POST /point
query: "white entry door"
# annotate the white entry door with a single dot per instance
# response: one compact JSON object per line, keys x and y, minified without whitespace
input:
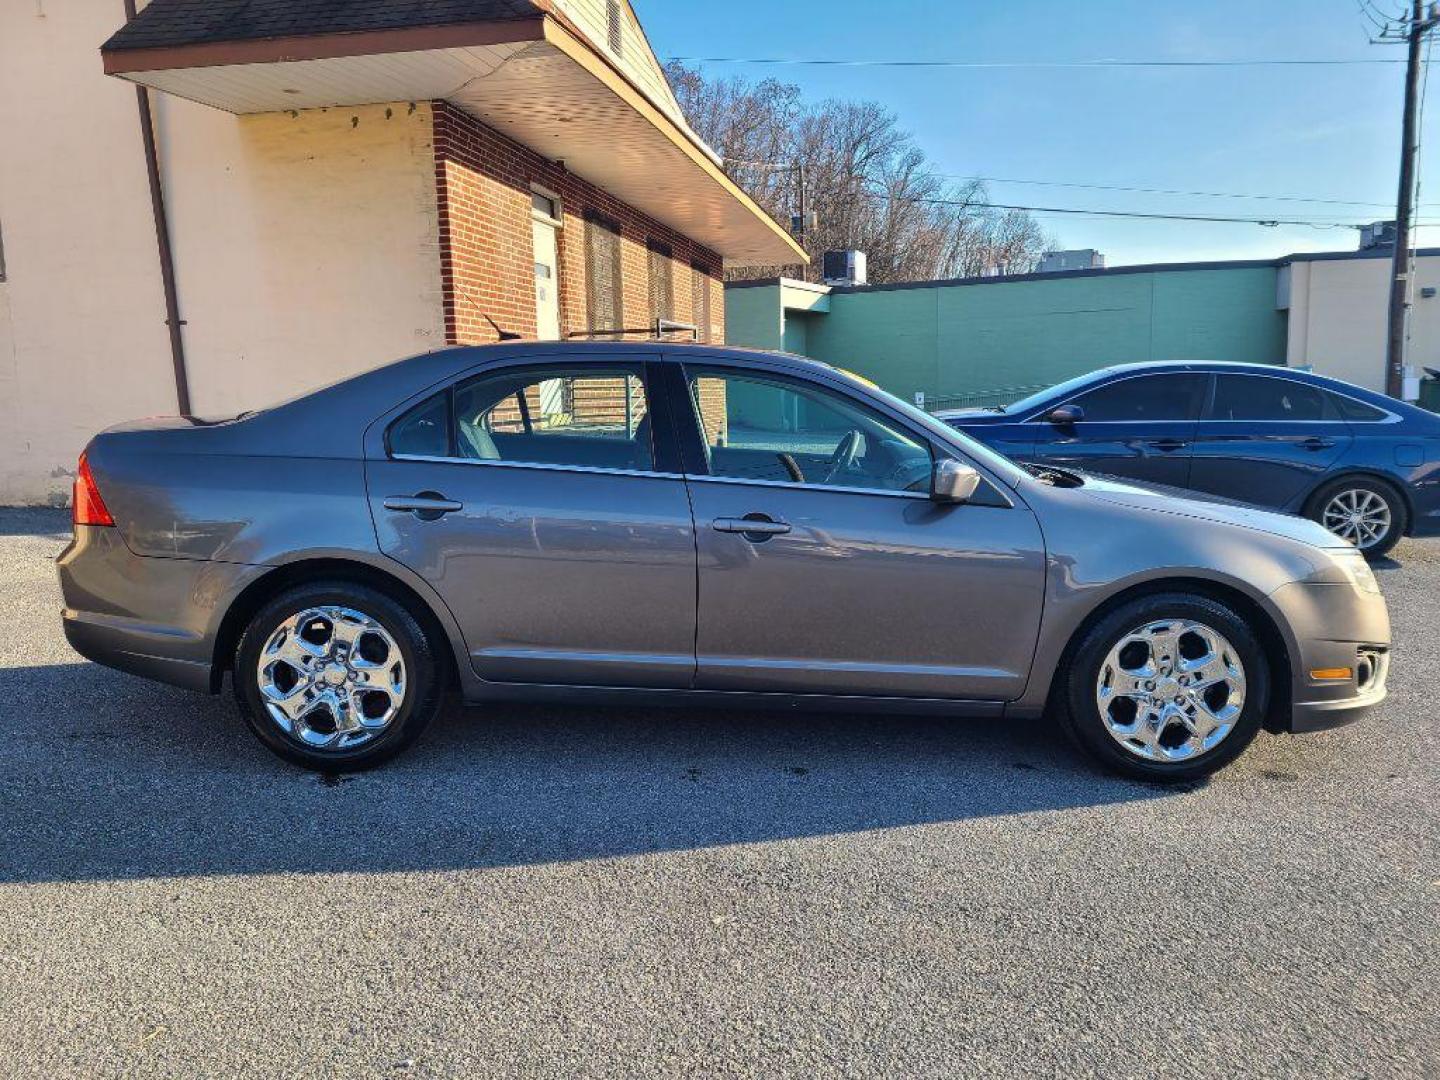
{"x":547,"y":282}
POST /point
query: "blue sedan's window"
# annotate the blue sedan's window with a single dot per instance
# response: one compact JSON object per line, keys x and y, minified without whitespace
{"x":1144,"y":398}
{"x":1262,"y":397}
{"x":1358,"y":411}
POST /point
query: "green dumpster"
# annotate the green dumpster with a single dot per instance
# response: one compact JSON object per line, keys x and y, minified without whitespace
{"x":1430,"y":395}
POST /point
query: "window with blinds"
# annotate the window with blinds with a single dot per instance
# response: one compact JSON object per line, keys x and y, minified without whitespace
{"x":602,"y":274}
{"x":700,"y":301}
{"x":662,"y":284}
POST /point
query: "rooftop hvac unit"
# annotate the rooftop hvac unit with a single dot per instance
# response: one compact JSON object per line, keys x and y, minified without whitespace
{"x":843,"y":267}
{"x":1378,"y":234}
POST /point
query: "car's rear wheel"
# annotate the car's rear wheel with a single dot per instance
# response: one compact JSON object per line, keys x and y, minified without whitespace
{"x":1368,"y":513}
{"x":1167,"y":687}
{"x":336,"y":676}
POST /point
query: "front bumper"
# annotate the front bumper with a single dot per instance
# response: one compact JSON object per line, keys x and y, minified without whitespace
{"x":152,"y":617}
{"x":1332,"y":627}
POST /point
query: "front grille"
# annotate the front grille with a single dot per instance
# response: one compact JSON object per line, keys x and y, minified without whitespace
{"x":1370,"y":665}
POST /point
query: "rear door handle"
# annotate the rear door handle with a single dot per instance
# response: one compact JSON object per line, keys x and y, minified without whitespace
{"x":1317,"y":443}
{"x":757,"y":527}
{"x":1168,"y":445}
{"x":427,"y":505}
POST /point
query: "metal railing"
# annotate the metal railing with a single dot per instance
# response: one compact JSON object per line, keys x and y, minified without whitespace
{"x":979,"y":399}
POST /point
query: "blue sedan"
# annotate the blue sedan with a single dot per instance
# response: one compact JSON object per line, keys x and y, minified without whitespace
{"x":1365,"y":466}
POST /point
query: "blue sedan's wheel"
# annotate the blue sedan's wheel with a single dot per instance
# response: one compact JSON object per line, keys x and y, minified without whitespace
{"x":1367,"y":513}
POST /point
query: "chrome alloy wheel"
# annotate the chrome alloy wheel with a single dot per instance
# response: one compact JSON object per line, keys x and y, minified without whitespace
{"x":332,"y":677}
{"x":1358,"y":515}
{"x":1170,"y":690}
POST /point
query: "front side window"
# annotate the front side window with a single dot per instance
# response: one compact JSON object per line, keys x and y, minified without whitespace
{"x":760,"y":428}
{"x":1144,"y":399}
{"x":1259,"y":397}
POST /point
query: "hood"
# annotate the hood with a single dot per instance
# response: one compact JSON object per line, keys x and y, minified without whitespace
{"x":966,"y":418}
{"x":1210,"y":508}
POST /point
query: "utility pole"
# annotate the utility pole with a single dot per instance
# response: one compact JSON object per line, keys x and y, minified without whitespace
{"x":800,"y":200}
{"x":1416,"y":27}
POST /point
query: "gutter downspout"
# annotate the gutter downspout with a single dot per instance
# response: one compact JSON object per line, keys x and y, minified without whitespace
{"x":162,"y":241}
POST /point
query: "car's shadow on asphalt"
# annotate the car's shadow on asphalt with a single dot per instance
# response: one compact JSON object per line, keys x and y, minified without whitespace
{"x":112,"y":777}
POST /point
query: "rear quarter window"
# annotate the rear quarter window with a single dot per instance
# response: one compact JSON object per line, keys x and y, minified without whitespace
{"x":424,"y":431}
{"x":1357,"y":411}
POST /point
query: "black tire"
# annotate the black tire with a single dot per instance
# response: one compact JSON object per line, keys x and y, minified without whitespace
{"x":423,"y":676}
{"x":1394,"y":501}
{"x":1080,"y":713}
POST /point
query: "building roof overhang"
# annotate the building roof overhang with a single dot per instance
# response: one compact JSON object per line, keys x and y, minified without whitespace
{"x":535,"y":79}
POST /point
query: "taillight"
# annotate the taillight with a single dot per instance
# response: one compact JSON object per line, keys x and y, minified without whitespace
{"x":89,"y":507}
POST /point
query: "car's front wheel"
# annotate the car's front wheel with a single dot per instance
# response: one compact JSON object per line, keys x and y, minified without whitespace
{"x":1167,"y":687}
{"x":336,"y":676}
{"x":1368,"y":513}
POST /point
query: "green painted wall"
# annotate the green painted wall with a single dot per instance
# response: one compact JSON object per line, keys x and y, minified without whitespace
{"x":752,"y":317}
{"x":796,"y":338}
{"x":964,"y":339}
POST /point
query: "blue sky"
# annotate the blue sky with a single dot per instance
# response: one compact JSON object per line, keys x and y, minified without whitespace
{"x":1317,"y":132}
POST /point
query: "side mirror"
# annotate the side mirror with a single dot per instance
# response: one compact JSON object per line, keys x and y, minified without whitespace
{"x":1065,"y":415}
{"x":952,"y":481}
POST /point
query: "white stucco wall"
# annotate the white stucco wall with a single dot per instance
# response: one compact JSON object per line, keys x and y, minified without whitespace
{"x":306,"y":247}
{"x":82,"y":334}
{"x":1337,"y":320}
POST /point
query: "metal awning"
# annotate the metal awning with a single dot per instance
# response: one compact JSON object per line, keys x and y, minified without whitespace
{"x":533,"y":79}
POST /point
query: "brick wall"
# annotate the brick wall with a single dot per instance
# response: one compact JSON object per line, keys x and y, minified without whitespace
{"x":483,"y":186}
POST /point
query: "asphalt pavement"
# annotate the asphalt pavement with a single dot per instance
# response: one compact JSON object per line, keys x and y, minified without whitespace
{"x":567,"y":892}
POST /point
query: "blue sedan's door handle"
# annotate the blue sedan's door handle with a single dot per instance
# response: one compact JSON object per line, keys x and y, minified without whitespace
{"x":1167,"y":445}
{"x":1317,"y":443}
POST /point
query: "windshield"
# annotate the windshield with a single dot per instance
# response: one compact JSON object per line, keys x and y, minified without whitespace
{"x":977,"y":451}
{"x":1057,"y":393}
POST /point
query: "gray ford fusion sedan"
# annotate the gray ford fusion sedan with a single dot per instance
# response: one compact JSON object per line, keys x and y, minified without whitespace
{"x":664,"y":523}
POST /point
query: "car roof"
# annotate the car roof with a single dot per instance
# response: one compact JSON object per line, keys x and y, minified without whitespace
{"x":1242,"y":368}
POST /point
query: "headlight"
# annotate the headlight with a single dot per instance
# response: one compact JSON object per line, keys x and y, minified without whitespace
{"x":1357,"y":570}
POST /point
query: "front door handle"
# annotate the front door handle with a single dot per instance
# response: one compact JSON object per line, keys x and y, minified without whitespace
{"x":1317,"y":443}
{"x":1168,"y":445}
{"x":754,"y":527}
{"x":425,"y":505}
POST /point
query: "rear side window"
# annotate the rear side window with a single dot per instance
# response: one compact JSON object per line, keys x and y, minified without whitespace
{"x":1357,"y":411}
{"x":596,"y":416}
{"x":424,"y":430}
{"x":1144,"y":398}
{"x":1260,"y":397}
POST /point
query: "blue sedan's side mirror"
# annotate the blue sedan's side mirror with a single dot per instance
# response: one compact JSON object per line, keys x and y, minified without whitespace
{"x":1065,"y":415}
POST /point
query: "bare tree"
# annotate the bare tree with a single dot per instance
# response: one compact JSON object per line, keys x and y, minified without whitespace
{"x":866,"y":183}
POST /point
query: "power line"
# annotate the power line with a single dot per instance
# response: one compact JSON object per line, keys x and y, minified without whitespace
{"x":1171,"y":191}
{"x":1138,"y":214}
{"x":1102,"y":62}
